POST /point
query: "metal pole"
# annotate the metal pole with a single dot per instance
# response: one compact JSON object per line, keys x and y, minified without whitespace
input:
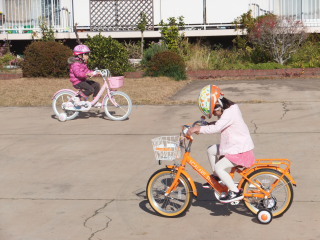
{"x":160,"y":10}
{"x":204,"y":12}
{"x":301,"y":11}
{"x":72,"y":15}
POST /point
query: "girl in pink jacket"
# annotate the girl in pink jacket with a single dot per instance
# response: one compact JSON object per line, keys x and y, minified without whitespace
{"x":79,"y":74}
{"x":236,"y":145}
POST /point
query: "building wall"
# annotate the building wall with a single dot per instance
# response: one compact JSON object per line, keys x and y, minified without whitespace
{"x":82,"y":12}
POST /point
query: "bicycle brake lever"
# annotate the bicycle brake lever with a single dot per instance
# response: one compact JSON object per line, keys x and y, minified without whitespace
{"x":185,"y":131}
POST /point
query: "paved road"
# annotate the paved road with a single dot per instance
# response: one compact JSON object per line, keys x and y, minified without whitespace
{"x":85,"y":179}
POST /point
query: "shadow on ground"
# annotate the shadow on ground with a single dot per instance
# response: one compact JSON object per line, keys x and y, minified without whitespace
{"x":205,"y":199}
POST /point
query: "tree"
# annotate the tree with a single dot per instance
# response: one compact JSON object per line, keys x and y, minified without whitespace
{"x":170,"y":32}
{"x":142,"y":25}
{"x":281,"y":36}
{"x":47,"y":31}
{"x":244,"y":23}
{"x":108,"y":53}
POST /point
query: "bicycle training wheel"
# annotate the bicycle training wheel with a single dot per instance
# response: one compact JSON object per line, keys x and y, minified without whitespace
{"x":118,"y":107}
{"x":281,"y":196}
{"x":57,"y":105}
{"x":177,"y":202}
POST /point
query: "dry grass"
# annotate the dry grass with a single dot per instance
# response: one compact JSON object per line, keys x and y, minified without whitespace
{"x":200,"y":58}
{"x":39,"y":91}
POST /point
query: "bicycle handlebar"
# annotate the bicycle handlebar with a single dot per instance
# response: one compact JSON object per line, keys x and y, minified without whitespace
{"x":103,"y":72}
{"x":185,"y":128}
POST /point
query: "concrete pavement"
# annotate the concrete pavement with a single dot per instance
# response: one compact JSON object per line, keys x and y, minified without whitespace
{"x":86,"y":178}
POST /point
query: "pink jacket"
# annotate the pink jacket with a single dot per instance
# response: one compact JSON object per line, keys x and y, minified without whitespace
{"x":235,"y":135}
{"x":78,"y":70}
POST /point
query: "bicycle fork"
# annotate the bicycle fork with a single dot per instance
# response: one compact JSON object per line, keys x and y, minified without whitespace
{"x":175,"y":183}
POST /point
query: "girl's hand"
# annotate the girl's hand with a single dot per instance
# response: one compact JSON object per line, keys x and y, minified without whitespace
{"x":90,"y":75}
{"x":193,"y":130}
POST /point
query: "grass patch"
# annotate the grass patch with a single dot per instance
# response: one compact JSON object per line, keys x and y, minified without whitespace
{"x":39,"y":91}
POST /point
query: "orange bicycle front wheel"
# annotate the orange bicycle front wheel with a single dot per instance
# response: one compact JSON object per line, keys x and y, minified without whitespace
{"x":177,"y":202}
{"x":281,"y":196}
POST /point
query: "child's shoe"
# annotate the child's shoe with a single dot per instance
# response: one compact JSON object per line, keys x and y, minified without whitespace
{"x":76,"y":99}
{"x":232,"y":196}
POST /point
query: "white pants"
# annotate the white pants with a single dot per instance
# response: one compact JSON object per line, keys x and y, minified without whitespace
{"x":220,"y":167}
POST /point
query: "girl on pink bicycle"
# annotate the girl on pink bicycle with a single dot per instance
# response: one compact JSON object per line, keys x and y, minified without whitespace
{"x":236,"y":145}
{"x":79,"y":74}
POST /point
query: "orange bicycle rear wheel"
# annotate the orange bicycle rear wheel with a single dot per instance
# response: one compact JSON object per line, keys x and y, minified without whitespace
{"x":281,"y":197}
{"x":177,"y":202}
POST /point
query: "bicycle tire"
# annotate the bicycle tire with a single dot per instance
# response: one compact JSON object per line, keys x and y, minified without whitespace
{"x":178,"y":201}
{"x":60,"y":98}
{"x":121,"y":112}
{"x":281,"y":197}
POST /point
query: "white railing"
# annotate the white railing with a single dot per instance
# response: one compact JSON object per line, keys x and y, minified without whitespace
{"x":306,"y":11}
{"x":26,"y":16}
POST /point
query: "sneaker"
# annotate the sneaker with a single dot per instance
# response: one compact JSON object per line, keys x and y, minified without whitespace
{"x":97,"y":105}
{"x":76,"y":99}
{"x":232,"y":196}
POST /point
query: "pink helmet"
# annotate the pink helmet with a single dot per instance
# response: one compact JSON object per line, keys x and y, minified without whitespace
{"x":81,"y":49}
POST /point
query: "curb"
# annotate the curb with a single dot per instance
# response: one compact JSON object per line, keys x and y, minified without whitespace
{"x":8,"y":76}
{"x":209,"y":74}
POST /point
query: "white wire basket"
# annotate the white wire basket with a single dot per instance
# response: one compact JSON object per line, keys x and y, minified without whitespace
{"x":166,"y":148}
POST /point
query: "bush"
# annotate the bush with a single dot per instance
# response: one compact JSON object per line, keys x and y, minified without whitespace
{"x":168,"y":64}
{"x":269,"y":65}
{"x":6,"y":59}
{"x":46,"y":59}
{"x":223,"y":59}
{"x":308,"y":56}
{"x":152,"y":50}
{"x":134,"y":49}
{"x":108,"y":53}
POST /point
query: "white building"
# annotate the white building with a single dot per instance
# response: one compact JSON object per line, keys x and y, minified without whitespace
{"x":20,"y":19}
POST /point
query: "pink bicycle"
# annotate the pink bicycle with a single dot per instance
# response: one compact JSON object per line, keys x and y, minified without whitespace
{"x":117,"y":105}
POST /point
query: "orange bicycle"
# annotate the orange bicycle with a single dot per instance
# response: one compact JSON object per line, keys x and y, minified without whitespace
{"x":267,"y":185}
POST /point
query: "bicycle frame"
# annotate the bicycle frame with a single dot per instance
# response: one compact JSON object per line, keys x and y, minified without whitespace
{"x":104,"y":87}
{"x":276,"y":164}
{"x":199,"y":169}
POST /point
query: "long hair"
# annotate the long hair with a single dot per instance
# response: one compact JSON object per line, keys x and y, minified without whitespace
{"x":226,"y":103}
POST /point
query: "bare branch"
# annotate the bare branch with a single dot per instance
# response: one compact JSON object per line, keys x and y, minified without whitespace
{"x":76,"y":32}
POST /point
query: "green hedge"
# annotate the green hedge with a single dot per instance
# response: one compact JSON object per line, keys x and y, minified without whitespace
{"x":46,"y":59}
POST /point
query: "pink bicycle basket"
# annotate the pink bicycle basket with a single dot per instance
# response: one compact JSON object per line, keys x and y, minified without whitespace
{"x":116,"y":82}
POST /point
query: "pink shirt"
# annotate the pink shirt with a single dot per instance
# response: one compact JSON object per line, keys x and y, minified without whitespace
{"x":235,"y":135}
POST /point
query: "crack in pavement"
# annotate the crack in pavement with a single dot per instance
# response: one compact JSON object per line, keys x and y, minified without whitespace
{"x":255,"y":127}
{"x":285,"y":109}
{"x":96,"y":213}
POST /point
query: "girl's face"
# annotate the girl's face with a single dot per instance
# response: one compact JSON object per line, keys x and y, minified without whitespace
{"x":217,"y":111}
{"x":85,"y":57}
